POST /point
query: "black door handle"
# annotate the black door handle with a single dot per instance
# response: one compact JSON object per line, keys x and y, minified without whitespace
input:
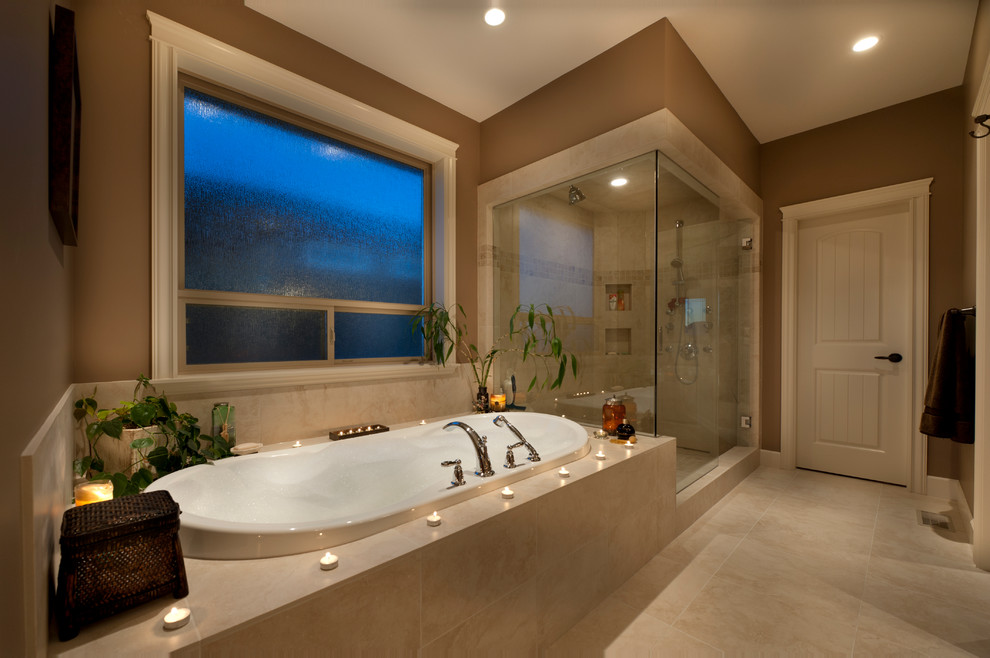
{"x":893,"y":358}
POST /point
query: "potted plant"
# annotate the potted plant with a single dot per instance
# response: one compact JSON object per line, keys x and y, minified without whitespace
{"x":148,"y":438}
{"x":532,"y":332}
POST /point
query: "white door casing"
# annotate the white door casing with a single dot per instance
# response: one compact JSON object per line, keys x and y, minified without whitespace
{"x":914,"y":196}
{"x":981,"y":456}
{"x":854,"y":303}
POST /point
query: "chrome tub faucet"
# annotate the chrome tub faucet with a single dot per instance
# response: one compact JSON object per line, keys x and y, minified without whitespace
{"x":510,"y":460}
{"x":480,"y":444}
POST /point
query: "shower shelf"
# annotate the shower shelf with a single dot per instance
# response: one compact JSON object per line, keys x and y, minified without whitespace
{"x":618,"y":341}
{"x":623,"y":296}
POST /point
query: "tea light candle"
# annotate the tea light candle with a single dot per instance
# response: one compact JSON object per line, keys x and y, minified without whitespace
{"x":422,"y":422}
{"x":563,"y":472}
{"x":328,"y":561}
{"x":297,"y":444}
{"x":176,"y":618}
{"x":600,"y":454}
{"x":93,"y":492}
{"x":630,"y":444}
{"x":433,"y":520}
{"x":497,"y":401}
{"x":508,"y":493}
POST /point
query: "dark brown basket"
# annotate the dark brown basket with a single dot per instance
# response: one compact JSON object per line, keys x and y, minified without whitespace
{"x":117,"y":554}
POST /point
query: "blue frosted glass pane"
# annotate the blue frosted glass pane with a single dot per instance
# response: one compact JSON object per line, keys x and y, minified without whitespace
{"x":242,"y":334}
{"x":272,"y":208}
{"x":374,"y":335}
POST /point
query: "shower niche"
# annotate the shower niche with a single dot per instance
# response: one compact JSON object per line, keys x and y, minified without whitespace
{"x":656,"y":298}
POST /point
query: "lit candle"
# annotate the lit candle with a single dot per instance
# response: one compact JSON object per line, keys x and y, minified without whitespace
{"x":433,"y":520}
{"x":93,"y":492}
{"x":563,"y":472}
{"x":328,"y":561}
{"x":297,"y":444}
{"x":422,"y":422}
{"x":599,"y":454}
{"x":630,"y":444}
{"x":497,"y":401}
{"x":508,"y":493}
{"x":176,"y":618}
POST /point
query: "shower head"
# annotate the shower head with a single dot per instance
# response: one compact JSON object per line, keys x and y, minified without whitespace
{"x":678,"y":265}
{"x":575,"y":195}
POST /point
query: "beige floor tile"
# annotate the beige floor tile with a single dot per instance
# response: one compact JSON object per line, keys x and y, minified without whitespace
{"x":603,"y":626}
{"x":797,"y":525}
{"x":702,"y":546}
{"x":880,"y":628}
{"x":740,"y":620}
{"x":831,"y":492}
{"x":838,"y":575}
{"x":929,"y":616}
{"x":663,"y":588}
{"x":615,"y":629}
{"x":900,"y":536}
{"x":868,"y":645}
{"x":968,"y":587}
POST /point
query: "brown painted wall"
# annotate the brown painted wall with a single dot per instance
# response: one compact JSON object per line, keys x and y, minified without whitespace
{"x":648,"y":71}
{"x":113,"y":318}
{"x":905,"y":142}
{"x":36,"y":271}
{"x":979,"y":50}
{"x":696,"y":100}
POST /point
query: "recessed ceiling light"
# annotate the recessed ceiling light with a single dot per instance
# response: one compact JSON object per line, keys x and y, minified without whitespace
{"x":865,"y":43}
{"x":494,"y":16}
{"x":619,"y":182}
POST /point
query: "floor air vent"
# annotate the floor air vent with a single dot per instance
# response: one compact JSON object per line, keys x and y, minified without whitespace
{"x":934,"y":520}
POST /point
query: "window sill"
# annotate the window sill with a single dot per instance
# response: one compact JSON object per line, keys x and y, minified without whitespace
{"x":240,"y":381}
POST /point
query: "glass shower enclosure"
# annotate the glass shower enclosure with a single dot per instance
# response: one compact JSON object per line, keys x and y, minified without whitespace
{"x":645,"y":271}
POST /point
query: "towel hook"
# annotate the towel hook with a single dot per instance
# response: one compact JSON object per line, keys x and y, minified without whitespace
{"x":981,"y":120}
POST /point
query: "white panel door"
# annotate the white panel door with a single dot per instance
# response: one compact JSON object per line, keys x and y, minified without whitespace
{"x":855,"y":304}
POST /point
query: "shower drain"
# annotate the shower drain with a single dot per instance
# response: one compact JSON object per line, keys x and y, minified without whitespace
{"x":934,"y":520}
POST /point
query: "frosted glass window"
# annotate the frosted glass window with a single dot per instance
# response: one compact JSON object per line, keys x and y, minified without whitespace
{"x":242,"y":334}
{"x":368,"y":335}
{"x":273,"y":208}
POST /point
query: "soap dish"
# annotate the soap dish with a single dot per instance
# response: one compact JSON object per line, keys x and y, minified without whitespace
{"x":246,"y":448}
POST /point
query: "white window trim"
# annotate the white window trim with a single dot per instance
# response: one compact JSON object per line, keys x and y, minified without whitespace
{"x":176,"y":48}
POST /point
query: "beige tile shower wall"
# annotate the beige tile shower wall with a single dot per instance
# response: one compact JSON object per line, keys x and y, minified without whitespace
{"x":287,"y":414}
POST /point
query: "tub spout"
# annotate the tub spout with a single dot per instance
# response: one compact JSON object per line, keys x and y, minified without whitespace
{"x":480,"y":444}
{"x":502,"y":421}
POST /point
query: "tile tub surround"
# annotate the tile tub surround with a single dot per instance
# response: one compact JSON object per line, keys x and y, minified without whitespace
{"x":497,"y":574}
{"x":277,"y":415}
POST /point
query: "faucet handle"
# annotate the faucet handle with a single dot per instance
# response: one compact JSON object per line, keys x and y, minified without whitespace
{"x":510,"y":459}
{"x":458,"y":471}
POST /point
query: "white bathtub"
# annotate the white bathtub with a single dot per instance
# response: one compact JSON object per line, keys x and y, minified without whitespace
{"x":316,"y":496}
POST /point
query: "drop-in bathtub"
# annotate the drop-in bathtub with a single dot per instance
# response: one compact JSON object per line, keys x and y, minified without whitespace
{"x":317,"y":496}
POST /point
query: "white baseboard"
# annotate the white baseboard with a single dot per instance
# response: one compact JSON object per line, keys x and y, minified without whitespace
{"x":770,"y":458}
{"x":947,"y":488}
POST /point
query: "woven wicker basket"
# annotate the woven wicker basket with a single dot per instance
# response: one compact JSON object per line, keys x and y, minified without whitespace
{"x":115,"y":555}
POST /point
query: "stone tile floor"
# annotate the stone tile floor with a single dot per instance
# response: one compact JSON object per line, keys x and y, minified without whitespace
{"x":801,"y":563}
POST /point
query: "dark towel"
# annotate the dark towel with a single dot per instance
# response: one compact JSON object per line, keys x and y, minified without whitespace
{"x":950,"y":398}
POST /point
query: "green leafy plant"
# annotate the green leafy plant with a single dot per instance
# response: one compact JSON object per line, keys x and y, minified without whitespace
{"x":532,"y":332}
{"x":182,"y":442}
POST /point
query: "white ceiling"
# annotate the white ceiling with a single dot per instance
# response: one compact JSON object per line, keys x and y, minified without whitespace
{"x":785,"y":65}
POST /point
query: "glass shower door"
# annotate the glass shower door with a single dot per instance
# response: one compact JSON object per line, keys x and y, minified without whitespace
{"x":687,"y":318}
